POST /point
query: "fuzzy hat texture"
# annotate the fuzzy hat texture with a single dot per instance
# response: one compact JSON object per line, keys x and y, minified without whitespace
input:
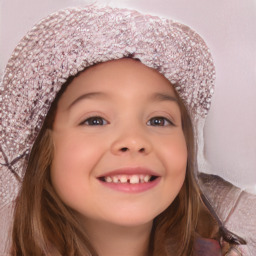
{"x":70,"y":40}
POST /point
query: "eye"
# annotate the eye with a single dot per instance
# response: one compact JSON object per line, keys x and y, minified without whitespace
{"x":94,"y":120}
{"x":159,"y":121}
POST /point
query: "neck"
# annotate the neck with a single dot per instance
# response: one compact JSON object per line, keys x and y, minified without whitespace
{"x":114,"y":240}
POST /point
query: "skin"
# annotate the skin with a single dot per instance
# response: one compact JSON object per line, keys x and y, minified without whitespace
{"x":134,"y":129}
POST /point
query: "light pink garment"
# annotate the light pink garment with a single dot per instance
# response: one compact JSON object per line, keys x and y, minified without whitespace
{"x":235,"y":208}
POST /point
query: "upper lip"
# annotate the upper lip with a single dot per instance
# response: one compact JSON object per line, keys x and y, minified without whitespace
{"x":130,"y":171}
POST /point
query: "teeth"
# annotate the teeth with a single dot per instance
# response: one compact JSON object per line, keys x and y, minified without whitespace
{"x":123,"y":179}
{"x":115,"y":179}
{"x":108,"y":179}
{"x":135,"y":179}
{"x":132,"y":179}
{"x":147,"y":178}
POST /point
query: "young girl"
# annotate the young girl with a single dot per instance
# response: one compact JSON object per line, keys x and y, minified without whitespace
{"x":99,"y":107}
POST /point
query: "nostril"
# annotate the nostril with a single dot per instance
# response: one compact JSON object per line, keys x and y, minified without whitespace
{"x":125,"y":149}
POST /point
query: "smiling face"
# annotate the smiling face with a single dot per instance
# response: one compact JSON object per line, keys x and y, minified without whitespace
{"x":119,"y":150}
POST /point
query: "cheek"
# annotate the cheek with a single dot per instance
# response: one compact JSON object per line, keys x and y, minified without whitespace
{"x":68,"y":155}
{"x":174,"y":154}
{"x":73,"y":152}
{"x":174,"y":157}
{"x":72,"y":167}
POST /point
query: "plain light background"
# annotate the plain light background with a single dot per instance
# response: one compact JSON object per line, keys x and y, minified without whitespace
{"x":229,"y":29}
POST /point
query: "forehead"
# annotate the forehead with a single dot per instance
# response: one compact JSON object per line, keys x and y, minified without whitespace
{"x":124,"y":76}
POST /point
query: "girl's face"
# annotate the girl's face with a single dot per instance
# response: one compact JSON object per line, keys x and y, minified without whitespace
{"x":119,"y":150}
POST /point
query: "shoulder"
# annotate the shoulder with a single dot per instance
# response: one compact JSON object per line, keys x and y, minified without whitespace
{"x":235,"y":208}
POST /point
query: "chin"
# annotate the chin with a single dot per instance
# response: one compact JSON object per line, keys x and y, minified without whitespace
{"x":133,"y":219}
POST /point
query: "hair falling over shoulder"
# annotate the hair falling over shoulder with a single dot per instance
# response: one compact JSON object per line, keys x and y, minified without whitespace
{"x":44,"y":225}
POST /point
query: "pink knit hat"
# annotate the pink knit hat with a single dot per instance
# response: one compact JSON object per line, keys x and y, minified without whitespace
{"x":70,"y":40}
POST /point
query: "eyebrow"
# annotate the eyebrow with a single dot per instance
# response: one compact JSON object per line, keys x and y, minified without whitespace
{"x":164,"y":97}
{"x":156,"y":97}
{"x":86,"y":96}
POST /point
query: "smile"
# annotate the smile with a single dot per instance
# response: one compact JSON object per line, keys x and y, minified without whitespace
{"x":127,"y":180}
{"x":131,"y":179}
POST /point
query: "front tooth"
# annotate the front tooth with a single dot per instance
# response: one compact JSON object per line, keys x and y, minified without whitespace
{"x":115,"y":179}
{"x":123,"y":179}
{"x":108,"y":179}
{"x":134,"y":179}
{"x":147,"y":178}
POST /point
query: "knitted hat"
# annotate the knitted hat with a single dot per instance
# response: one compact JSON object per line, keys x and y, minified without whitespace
{"x":70,"y":40}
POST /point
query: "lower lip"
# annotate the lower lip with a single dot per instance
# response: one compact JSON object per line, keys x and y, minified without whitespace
{"x":131,"y":188}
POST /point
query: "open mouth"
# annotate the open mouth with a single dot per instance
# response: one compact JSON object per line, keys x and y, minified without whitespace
{"x":128,"y":179}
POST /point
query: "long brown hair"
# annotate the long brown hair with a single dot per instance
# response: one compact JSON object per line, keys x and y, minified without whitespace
{"x":177,"y":228}
{"x":44,"y":225}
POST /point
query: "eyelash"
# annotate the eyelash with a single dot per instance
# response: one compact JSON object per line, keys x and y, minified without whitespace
{"x":166,"y":121}
{"x":94,"y":118}
{"x":100,"y":121}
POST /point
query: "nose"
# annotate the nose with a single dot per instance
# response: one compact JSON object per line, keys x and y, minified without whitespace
{"x":131,"y":142}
